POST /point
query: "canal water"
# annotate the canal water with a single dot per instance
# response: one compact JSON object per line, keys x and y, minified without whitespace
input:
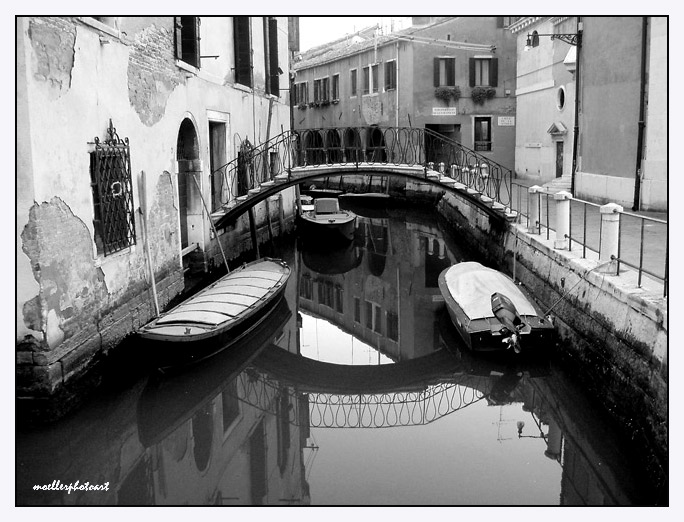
{"x":356,"y":391}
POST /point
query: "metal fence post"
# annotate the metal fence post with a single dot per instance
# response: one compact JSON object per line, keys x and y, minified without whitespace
{"x":610,"y":235}
{"x":562,"y":199}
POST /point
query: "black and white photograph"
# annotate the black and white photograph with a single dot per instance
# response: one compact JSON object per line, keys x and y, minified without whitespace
{"x":341,"y":259}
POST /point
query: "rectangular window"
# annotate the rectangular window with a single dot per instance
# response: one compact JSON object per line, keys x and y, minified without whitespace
{"x":339,"y":299}
{"x":302,"y":92}
{"x":357,"y":310}
{"x":317,"y":91}
{"x":111,"y":185}
{"x":271,"y":56}
{"x":375,"y":81}
{"x":393,"y":326}
{"x":243,"y":50}
{"x":390,"y":75}
{"x":336,"y":87}
{"x":187,"y":39}
{"x":325,"y":90}
{"x":366,"y":80}
{"x":306,"y":287}
{"x":377,"y":323}
{"x":483,"y":72}
{"x":445,"y":72}
{"x":369,"y":314}
{"x":353,"y":81}
{"x":483,"y":134}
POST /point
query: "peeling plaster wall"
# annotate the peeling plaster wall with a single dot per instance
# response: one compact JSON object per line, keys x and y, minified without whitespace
{"x":75,"y":75}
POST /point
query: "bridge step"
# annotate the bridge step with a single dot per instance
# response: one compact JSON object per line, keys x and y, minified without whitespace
{"x":487,"y":200}
{"x":281,"y":178}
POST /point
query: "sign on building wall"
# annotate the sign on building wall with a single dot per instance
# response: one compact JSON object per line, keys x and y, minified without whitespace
{"x":506,"y":121}
{"x":444,"y":111}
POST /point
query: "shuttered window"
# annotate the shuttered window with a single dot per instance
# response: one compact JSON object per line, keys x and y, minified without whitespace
{"x":271,"y":56}
{"x":187,"y":35}
{"x":484,"y":72}
{"x":445,"y":72}
{"x":390,"y":75}
{"x":243,"y":50}
{"x":353,"y":81}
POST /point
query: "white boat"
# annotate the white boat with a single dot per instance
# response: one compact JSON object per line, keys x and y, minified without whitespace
{"x":327,"y":222}
{"x":490,"y":311}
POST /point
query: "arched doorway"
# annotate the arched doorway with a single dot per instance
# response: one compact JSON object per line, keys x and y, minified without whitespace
{"x":352,"y":146}
{"x":375,"y":146}
{"x":190,"y":203}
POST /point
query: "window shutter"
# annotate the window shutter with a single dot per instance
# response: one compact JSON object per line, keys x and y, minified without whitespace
{"x":273,"y":55}
{"x":179,"y":37}
{"x":243,"y":54}
{"x":436,"y":72}
{"x":493,"y":72}
{"x":451,"y":71}
{"x":197,"y":42}
{"x":471,"y":66}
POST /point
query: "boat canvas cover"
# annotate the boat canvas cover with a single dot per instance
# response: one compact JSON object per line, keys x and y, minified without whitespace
{"x":472,"y":285}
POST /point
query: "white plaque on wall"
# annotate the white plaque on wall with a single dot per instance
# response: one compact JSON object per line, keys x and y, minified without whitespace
{"x":506,"y":121}
{"x":444,"y":111}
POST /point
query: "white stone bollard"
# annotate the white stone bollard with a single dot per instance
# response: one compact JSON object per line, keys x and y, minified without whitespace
{"x":533,"y":227}
{"x":562,"y":199}
{"x":610,"y":233}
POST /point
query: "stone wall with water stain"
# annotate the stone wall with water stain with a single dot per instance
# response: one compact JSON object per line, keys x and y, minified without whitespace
{"x":611,"y":335}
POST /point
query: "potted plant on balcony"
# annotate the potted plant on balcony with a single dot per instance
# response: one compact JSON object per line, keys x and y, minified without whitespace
{"x":480,"y":94}
{"x":446,"y":94}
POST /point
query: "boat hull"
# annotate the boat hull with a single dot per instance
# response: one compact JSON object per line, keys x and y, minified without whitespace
{"x":193,"y":331}
{"x":485,"y":332}
{"x":339,"y":229}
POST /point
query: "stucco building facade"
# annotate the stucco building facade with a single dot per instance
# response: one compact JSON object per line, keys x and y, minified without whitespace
{"x":454,"y":76}
{"x":120,"y":124}
{"x":620,"y":73}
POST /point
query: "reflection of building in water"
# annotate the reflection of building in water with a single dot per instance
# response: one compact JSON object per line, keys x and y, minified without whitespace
{"x":389,"y":300}
{"x":219,"y":433}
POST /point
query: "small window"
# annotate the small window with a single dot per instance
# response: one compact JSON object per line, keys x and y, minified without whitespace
{"x":336,"y":87}
{"x":484,"y":72}
{"x":317,"y":91}
{"x":390,"y":75}
{"x":375,"y":82}
{"x":483,"y":134}
{"x":445,"y":72}
{"x":243,"y":50}
{"x":366,"y":80}
{"x":188,"y":39}
{"x":352,"y":79}
{"x":325,"y":91}
{"x":393,"y":326}
{"x":302,"y":92}
{"x":560,"y":100}
{"x":357,"y":310}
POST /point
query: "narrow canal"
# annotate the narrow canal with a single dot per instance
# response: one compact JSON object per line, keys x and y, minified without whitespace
{"x":358,"y":391}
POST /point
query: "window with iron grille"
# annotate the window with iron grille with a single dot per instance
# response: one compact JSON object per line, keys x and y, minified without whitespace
{"x":110,"y":181}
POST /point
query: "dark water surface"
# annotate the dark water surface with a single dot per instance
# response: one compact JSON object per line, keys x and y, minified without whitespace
{"x":356,"y":391}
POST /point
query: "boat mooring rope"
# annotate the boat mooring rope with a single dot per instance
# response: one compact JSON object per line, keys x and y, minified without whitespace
{"x":573,"y":286}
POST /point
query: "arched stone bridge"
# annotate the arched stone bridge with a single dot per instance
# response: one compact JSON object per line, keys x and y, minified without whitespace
{"x":417,"y":154}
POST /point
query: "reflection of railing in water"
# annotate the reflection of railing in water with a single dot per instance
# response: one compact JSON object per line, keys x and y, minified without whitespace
{"x":383,"y":410}
{"x":390,"y":409}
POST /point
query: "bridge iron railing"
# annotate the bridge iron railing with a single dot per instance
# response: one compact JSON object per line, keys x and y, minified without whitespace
{"x":358,"y":147}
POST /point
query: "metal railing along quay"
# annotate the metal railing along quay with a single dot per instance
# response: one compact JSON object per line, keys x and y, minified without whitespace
{"x":641,"y":241}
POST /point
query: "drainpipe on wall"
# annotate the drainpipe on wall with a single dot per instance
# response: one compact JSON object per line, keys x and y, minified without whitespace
{"x":577,"y":96}
{"x":642,"y":124}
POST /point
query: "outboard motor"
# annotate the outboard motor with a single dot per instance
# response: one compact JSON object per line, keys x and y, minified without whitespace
{"x":505,"y":311}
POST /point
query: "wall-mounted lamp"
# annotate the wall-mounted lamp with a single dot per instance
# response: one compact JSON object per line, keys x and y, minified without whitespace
{"x":571,"y":38}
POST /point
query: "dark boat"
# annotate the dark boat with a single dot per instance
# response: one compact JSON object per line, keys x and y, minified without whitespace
{"x":168,"y":401}
{"x":217,"y":316}
{"x":490,"y":311}
{"x":327,"y":222}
